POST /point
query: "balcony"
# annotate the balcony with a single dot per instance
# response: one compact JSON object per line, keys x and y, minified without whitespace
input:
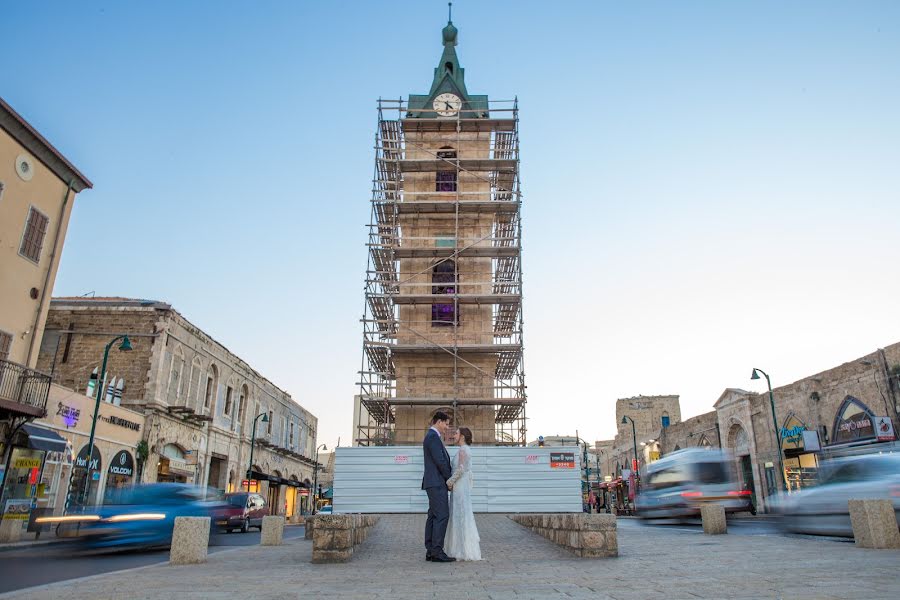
{"x":23,"y":391}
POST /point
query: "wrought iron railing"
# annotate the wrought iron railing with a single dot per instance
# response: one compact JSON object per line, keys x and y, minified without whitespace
{"x":22,"y":385}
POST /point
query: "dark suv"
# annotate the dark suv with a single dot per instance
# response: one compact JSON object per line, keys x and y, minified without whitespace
{"x":242,"y":511}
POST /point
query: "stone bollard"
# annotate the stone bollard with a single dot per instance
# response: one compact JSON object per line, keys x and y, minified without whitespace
{"x":10,"y":530}
{"x":308,"y":527}
{"x":272,"y":531}
{"x":713,"y":516}
{"x":874,"y":523}
{"x":190,"y":541}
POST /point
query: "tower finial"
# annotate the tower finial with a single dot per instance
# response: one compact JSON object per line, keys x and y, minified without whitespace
{"x":449,"y":12}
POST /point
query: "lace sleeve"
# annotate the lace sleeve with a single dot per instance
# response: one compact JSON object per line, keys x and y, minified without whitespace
{"x":463,"y":465}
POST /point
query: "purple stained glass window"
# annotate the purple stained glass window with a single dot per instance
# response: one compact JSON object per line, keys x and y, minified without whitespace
{"x":443,"y":280}
{"x":446,"y":181}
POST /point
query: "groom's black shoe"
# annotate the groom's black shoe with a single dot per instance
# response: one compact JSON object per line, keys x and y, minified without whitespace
{"x":442,"y":557}
{"x":428,"y":557}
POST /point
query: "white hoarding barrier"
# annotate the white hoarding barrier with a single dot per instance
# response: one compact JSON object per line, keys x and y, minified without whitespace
{"x":388,"y":479}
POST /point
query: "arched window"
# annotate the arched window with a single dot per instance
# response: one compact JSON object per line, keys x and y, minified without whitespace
{"x":229,"y":392}
{"x":242,"y":404}
{"x":443,"y":280}
{"x":445,"y":178}
{"x":193,"y":392}
{"x":176,"y":373}
{"x":212,"y":383}
{"x":854,"y":421}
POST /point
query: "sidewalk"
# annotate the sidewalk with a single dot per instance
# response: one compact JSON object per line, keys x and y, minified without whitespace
{"x":654,"y":563}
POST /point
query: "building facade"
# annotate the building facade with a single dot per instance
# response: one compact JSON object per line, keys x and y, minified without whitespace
{"x":853,"y":408}
{"x":37,"y":194}
{"x":200,"y":401}
{"x":443,"y":320}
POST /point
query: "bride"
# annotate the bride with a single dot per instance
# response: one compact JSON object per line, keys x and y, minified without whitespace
{"x":463,"y":542}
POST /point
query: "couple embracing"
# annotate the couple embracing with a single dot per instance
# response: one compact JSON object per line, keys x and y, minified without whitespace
{"x":449,"y":519}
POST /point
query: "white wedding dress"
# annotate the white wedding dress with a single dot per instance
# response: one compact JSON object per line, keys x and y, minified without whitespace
{"x":462,"y":541}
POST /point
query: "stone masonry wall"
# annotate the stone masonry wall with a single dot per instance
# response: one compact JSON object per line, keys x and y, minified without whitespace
{"x":586,"y":535}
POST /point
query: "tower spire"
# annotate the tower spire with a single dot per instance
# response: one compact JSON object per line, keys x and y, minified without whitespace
{"x":449,"y":12}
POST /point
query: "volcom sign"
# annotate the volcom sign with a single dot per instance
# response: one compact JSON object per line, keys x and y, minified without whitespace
{"x":122,"y":464}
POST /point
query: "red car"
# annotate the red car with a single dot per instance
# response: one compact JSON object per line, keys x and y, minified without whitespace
{"x":242,"y":511}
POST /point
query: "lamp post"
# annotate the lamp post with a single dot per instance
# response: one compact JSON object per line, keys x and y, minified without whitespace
{"x":625,"y":419}
{"x":316,"y":479}
{"x":755,"y":375}
{"x":265,"y":419}
{"x":101,"y":385}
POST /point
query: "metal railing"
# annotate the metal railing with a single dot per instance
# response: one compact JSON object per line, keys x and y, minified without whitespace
{"x":24,"y":386}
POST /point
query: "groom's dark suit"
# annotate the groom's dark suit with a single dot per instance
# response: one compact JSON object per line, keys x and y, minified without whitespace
{"x":434,"y":482}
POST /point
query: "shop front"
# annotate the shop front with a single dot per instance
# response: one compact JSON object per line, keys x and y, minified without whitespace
{"x":173,"y":466}
{"x":858,"y":430}
{"x":74,"y":475}
{"x":22,"y":482}
{"x":119,"y":475}
{"x":800,"y":447}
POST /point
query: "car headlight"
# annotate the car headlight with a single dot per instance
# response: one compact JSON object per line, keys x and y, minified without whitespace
{"x":136,"y":517}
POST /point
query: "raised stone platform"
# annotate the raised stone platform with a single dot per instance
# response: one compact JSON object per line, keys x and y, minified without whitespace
{"x":334,"y":536}
{"x":586,"y":535}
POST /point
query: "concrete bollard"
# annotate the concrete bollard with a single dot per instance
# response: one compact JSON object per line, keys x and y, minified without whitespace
{"x":874,"y":523}
{"x":272,"y":531}
{"x":10,"y":530}
{"x":713,"y":516}
{"x":190,"y":541}
{"x":308,"y":527}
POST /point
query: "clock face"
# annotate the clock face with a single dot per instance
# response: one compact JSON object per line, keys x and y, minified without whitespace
{"x":447,"y":105}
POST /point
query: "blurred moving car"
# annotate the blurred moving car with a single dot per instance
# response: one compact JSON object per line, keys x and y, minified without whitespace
{"x":144,"y":516}
{"x":326,"y":510}
{"x":241,"y":511}
{"x":824,"y":508}
{"x":679,"y":484}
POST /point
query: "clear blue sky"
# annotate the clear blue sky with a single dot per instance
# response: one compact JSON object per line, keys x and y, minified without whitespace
{"x":709,"y":186}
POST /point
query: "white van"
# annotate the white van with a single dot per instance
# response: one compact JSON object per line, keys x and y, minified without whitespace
{"x":679,"y":484}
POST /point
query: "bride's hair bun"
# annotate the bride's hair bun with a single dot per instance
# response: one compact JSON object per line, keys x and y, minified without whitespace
{"x":466,"y":433}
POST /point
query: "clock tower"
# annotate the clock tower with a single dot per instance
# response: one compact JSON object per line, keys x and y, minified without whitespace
{"x":443,"y":317}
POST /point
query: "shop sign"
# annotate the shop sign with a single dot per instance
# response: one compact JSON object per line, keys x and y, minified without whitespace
{"x":562,"y":460}
{"x":119,"y":421}
{"x":253,"y":485}
{"x":81,"y":461}
{"x":811,"y":441}
{"x":532,"y":459}
{"x":180,"y":467}
{"x":27,"y":463}
{"x":792,"y":433}
{"x":69,"y":414}
{"x":122,"y":464}
{"x":401,"y":459}
{"x":884,"y":429}
{"x":854,"y":422}
{"x":17,"y":509}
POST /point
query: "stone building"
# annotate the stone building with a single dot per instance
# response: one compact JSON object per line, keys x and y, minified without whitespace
{"x":37,"y":194}
{"x":650,"y":415}
{"x":853,"y":408}
{"x":443,"y":321}
{"x":200,"y":401}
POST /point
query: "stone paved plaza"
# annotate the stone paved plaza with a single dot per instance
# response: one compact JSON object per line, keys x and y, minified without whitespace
{"x":654,"y":563}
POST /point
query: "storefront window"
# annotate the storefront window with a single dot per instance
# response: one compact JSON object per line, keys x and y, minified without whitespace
{"x":119,"y":476}
{"x":854,"y":422}
{"x":23,"y":474}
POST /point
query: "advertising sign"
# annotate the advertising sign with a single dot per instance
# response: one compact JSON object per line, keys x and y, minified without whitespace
{"x":562,"y":460}
{"x":884,"y":429}
{"x":27,"y":463}
{"x":122,"y":464}
{"x":17,"y":509}
{"x":401,"y":459}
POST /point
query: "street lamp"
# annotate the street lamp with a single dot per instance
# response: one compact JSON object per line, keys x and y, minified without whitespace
{"x":265,"y":419}
{"x":625,"y":419}
{"x":101,"y":385}
{"x":755,"y":375}
{"x":316,"y":479}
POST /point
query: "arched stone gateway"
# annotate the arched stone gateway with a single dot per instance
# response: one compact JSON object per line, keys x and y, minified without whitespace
{"x":738,"y":440}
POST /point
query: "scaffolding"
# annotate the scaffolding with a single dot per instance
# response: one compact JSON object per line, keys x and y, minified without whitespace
{"x":442,"y":321}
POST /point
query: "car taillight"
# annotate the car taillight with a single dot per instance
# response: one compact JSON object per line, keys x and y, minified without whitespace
{"x":691,"y":494}
{"x":739,"y":493}
{"x":895,"y":491}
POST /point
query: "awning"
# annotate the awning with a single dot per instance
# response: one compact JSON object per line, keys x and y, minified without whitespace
{"x":43,"y":439}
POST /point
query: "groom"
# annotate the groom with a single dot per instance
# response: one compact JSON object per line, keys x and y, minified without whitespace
{"x":434,"y":482}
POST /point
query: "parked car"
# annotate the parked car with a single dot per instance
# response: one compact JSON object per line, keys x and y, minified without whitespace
{"x":325,"y":510}
{"x":679,"y":484}
{"x":144,"y":516}
{"x":824,"y":509}
{"x":242,"y":510}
